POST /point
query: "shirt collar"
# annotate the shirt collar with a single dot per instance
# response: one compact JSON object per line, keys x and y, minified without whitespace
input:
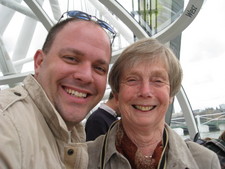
{"x":108,"y":109}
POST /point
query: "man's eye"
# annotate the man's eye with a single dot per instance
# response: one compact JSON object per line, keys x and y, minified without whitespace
{"x":70,"y":59}
{"x":100,"y":70}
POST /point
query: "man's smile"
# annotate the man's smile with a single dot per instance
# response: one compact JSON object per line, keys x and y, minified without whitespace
{"x":76,"y":93}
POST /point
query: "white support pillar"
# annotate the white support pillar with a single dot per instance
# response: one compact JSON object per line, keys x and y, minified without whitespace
{"x":25,"y":38}
{"x":187,"y":112}
{"x":6,"y":65}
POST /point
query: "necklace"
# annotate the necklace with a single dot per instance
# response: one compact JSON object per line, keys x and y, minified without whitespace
{"x":144,"y":161}
{"x":148,"y":156}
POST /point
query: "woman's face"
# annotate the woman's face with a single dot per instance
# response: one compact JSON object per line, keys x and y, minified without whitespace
{"x":144,"y":94}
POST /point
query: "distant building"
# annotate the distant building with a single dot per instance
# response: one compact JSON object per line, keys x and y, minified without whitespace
{"x":222,"y":106}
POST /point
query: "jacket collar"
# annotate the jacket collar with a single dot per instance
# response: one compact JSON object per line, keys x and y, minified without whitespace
{"x":50,"y":114}
{"x":177,"y":154}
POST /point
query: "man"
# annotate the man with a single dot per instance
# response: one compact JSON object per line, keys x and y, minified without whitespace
{"x":101,"y":119}
{"x":40,"y":120}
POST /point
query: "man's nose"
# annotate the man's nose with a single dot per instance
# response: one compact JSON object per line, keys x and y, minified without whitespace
{"x":84,"y":73}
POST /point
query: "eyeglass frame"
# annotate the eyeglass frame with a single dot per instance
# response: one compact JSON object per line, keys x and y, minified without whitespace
{"x":87,"y":17}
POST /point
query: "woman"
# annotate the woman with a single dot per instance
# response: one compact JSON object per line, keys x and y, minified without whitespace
{"x":144,"y":80}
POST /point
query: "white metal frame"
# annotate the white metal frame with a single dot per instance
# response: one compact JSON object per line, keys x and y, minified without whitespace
{"x":36,"y":13}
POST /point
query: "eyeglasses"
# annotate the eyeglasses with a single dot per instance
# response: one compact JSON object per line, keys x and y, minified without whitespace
{"x":87,"y":17}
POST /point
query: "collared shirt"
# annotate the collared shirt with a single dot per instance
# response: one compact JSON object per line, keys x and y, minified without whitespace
{"x":99,"y":122}
{"x":108,"y":109}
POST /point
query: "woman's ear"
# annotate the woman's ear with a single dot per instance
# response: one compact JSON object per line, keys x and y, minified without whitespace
{"x":116,"y":96}
{"x":171,"y":100}
{"x":117,"y":104}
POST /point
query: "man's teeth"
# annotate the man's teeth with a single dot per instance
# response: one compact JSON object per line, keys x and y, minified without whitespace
{"x":144,"y":108}
{"x":76,"y":93}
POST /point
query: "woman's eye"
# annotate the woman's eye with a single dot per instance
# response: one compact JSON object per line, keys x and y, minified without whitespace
{"x":159,"y":82}
{"x":131,"y":80}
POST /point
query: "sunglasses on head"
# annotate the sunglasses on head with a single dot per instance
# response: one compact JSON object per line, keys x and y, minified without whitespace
{"x":87,"y":17}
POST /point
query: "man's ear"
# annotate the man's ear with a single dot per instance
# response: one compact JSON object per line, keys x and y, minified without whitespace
{"x":38,"y":60}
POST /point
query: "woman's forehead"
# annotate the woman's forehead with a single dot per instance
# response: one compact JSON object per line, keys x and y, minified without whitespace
{"x":145,"y":67}
{"x":145,"y":61}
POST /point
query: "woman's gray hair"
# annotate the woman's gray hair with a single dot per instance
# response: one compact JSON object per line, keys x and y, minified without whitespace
{"x":149,"y":50}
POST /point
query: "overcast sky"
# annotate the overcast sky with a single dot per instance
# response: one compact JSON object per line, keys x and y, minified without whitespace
{"x":203,"y":56}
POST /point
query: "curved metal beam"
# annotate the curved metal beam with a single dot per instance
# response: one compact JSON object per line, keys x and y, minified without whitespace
{"x":125,"y":17}
{"x":40,"y":13}
{"x":167,"y":34}
{"x":12,"y":4}
{"x":178,"y":26}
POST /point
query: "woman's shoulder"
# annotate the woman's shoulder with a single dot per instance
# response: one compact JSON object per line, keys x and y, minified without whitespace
{"x":203,"y":156}
{"x":199,"y":149}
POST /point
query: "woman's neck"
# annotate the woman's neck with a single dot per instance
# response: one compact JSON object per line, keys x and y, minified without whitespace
{"x":146,"y":140}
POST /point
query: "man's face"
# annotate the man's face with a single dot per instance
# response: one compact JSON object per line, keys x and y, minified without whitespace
{"x":74,"y":71}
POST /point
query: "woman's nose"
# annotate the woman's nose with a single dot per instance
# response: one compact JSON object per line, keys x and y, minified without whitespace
{"x":146,"y":90}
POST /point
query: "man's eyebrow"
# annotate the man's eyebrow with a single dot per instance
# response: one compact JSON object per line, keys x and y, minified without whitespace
{"x":103,"y":62}
{"x":80,"y":53}
{"x":71,"y":50}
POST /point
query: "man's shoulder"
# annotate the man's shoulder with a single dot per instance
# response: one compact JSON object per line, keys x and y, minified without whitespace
{"x":10,"y":96}
{"x":12,"y":115}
